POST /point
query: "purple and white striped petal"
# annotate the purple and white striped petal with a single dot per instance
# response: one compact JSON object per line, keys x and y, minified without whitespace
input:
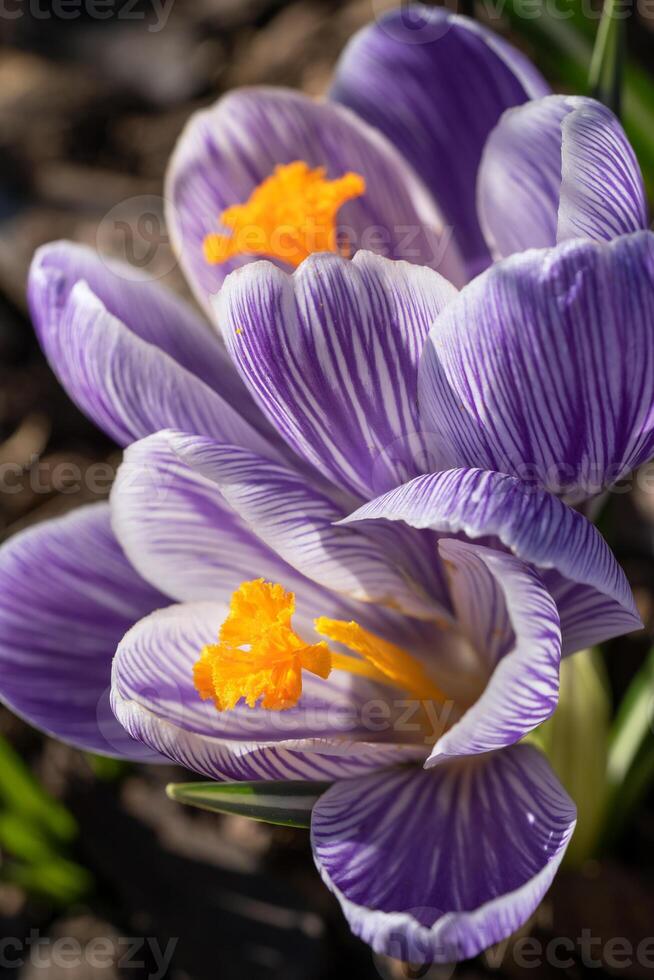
{"x":543,"y":367}
{"x":512,"y":622}
{"x":323,"y":737}
{"x":436,"y":84}
{"x":126,"y":385}
{"x":196,"y":516}
{"x":145,"y":307}
{"x":593,"y":597}
{"x":226,"y":151}
{"x":178,"y":530}
{"x":435,"y":866}
{"x":331,"y":356}
{"x":558,"y":168}
{"x":67,"y":597}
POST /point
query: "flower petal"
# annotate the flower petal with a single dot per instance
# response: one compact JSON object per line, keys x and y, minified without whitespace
{"x":591,"y":590}
{"x":436,"y":84}
{"x":557,"y":168}
{"x":153,"y":696}
{"x":145,"y":307}
{"x":229,"y":149}
{"x":543,"y":367}
{"x":67,"y":596}
{"x":512,"y":621}
{"x":179,"y":532}
{"x":436,"y":866}
{"x":331,"y":355}
{"x":130,"y":387}
{"x":196,"y":516}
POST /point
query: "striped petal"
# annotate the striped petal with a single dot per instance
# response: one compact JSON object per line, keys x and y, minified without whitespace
{"x":558,"y":168}
{"x":226,"y":151}
{"x":195,"y":516}
{"x":147,"y":308}
{"x":124,"y":383}
{"x":153,"y":696}
{"x":436,"y":84}
{"x":543,"y":367}
{"x":331,"y":355}
{"x":435,"y":866}
{"x":512,"y":622}
{"x":592,"y":594}
{"x":67,"y":597}
{"x":178,"y":530}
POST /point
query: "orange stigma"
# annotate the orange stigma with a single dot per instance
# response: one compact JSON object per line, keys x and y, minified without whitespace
{"x":290,"y":215}
{"x":260,"y":658}
{"x":258,"y":654}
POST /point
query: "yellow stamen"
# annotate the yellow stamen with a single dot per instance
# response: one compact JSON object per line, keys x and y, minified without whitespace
{"x":288,"y":216}
{"x":394,"y":663}
{"x":260,"y":657}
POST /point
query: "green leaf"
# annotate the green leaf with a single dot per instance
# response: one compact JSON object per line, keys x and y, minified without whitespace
{"x":34,"y":830}
{"x":630,"y":767}
{"x":575,"y":740}
{"x":22,"y":794}
{"x":605,"y":75}
{"x":62,"y":881}
{"x":106,"y":768}
{"x":563,"y":49}
{"x":22,"y":839}
{"x":633,"y":723}
{"x":287,"y":803}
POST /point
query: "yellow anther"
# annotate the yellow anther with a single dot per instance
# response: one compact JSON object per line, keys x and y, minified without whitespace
{"x":393,"y":663}
{"x":288,"y":216}
{"x":260,"y":657}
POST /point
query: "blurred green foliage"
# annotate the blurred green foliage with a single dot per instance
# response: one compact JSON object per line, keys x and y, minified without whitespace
{"x":563,"y":38}
{"x":576,"y":741}
{"x":36,"y":833}
{"x":630,"y":767}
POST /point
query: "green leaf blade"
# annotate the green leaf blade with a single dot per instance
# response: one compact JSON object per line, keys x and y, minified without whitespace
{"x":575,"y":740}
{"x":630,"y":765}
{"x":284,"y":803}
{"x":21,"y":793}
{"x":605,"y":76}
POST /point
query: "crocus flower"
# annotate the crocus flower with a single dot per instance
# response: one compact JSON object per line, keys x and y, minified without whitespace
{"x":329,"y":509}
{"x":415,"y":100}
{"x":445,"y":602}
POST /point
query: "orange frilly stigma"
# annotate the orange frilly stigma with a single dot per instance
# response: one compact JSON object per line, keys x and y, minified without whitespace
{"x":288,"y":216}
{"x":260,"y":658}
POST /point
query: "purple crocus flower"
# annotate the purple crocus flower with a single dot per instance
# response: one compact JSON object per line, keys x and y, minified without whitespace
{"x":354,"y":498}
